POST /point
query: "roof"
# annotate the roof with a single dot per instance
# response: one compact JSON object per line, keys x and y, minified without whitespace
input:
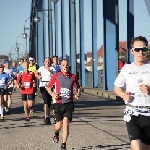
{"x":3,"y":57}
{"x":90,"y":63}
{"x":122,"y":47}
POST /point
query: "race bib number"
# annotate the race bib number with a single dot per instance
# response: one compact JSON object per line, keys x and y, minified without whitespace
{"x":2,"y":82}
{"x":14,"y":73}
{"x":26,"y":84}
{"x":65,"y":92}
{"x":46,"y":84}
{"x":128,"y":111}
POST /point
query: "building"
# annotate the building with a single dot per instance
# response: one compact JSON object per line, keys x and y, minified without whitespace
{"x":2,"y":58}
{"x":88,"y":65}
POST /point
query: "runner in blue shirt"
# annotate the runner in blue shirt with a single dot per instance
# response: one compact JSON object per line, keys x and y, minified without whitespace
{"x":5,"y":81}
{"x":7,"y":97}
{"x":20,"y":68}
{"x":14,"y":72}
{"x":55,"y":67}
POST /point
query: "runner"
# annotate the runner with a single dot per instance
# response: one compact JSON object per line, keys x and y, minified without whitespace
{"x":20,"y":68}
{"x":65,"y":82}
{"x":136,"y":78}
{"x":25,"y":81}
{"x":55,"y":68}
{"x":45,"y":75}
{"x":5,"y":81}
{"x":32,"y":68}
{"x":8,"y":93}
{"x":14,"y":70}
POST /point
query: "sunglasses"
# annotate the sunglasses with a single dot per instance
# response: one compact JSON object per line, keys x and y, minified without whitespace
{"x":143,"y":49}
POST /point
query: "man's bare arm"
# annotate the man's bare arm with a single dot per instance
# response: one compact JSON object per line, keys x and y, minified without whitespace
{"x":118,"y":91}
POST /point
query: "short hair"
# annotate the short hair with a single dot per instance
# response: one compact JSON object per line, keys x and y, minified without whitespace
{"x":1,"y":66}
{"x":64,"y":60}
{"x":139,"y":38}
{"x":24,"y":63}
{"x":54,"y":56}
{"x":48,"y":58}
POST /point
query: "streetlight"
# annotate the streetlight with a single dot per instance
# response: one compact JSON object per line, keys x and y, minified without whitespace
{"x":16,"y":49}
{"x":36,"y":19}
{"x":25,"y":35}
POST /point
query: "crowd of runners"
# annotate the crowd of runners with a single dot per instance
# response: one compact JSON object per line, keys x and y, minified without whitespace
{"x":57,"y":86}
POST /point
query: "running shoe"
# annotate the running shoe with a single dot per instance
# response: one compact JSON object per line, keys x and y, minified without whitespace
{"x":48,"y":120}
{"x":1,"y":118}
{"x":31,"y":110}
{"x":8,"y":111}
{"x":63,"y":147}
{"x":56,"y":139}
{"x":27,"y":119}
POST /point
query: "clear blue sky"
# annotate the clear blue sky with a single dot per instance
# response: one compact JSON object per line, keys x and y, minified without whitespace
{"x":13,"y":14}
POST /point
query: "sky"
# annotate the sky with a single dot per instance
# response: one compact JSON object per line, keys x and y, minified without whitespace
{"x":13,"y":14}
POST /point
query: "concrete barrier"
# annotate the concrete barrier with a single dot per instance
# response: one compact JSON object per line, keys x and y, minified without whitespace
{"x":100,"y":92}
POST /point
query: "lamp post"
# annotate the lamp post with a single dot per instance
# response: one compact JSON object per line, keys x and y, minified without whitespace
{"x":17,"y":50}
{"x":37,"y":20}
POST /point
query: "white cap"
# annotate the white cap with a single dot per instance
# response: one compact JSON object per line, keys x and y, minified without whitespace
{"x":31,"y":58}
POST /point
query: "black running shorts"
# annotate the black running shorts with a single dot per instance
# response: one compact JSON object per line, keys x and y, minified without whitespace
{"x":9,"y":91}
{"x":46,"y":96}
{"x":64,"y":110}
{"x":26,"y":97}
{"x":139,"y":128}
{"x":2,"y":91}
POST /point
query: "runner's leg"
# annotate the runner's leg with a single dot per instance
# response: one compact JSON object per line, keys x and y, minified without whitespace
{"x":1,"y":106}
{"x":24,"y":99}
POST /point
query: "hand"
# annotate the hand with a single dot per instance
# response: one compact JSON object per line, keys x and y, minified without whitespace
{"x":55,"y":95}
{"x":34,"y":85}
{"x":144,"y":88}
{"x":125,"y":96}
{"x":77,"y":95}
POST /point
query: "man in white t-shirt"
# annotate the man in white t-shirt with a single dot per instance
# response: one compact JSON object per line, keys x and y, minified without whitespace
{"x":136,"y":77}
{"x":44,"y":75}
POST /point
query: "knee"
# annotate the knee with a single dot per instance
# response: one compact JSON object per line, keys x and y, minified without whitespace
{"x":58,"y":126}
{"x":66,"y":123}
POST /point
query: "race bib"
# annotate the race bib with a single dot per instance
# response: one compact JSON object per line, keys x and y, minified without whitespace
{"x":65,"y":92}
{"x":14,"y":73}
{"x":2,"y":82}
{"x":46,"y":84}
{"x":128,"y":111}
{"x":26,"y":84}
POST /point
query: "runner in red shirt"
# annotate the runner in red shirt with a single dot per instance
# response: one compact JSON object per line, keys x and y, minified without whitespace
{"x":25,"y":81}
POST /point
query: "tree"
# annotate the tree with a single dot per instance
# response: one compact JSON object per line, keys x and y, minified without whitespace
{"x":123,"y":56}
{"x":148,"y":55}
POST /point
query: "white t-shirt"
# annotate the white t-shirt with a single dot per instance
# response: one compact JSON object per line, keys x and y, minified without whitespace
{"x":10,"y":73}
{"x":46,"y":76}
{"x":133,"y":76}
